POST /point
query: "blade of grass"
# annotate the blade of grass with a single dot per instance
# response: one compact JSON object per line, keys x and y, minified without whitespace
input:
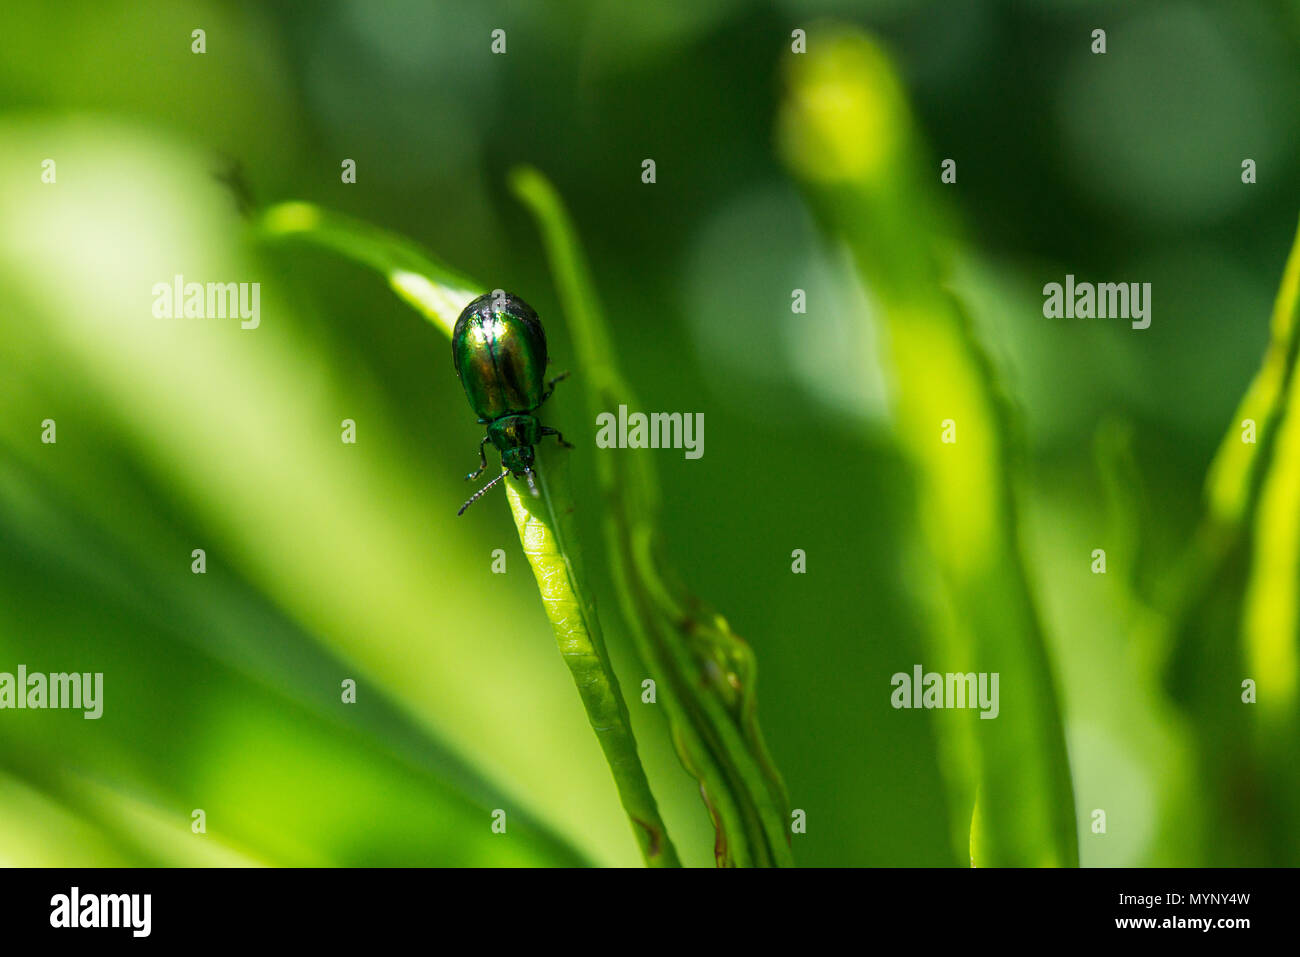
{"x":847,"y":135}
{"x":439,"y":294}
{"x":435,"y":290}
{"x":1263,"y":488}
{"x":706,"y":673}
{"x":546,"y":532}
{"x":64,"y":547}
{"x":1240,"y":580}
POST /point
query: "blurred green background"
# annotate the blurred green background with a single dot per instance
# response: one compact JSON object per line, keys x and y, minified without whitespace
{"x":328,"y":561}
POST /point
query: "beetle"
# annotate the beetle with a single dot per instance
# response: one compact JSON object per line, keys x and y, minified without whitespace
{"x":498,"y":348}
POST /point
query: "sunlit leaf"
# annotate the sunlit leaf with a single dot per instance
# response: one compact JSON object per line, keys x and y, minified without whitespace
{"x":440,"y":294}
{"x":707,"y":673}
{"x":1234,"y":633}
{"x":846,"y":132}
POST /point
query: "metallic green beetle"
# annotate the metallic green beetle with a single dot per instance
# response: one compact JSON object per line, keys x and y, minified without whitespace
{"x":499,"y":350}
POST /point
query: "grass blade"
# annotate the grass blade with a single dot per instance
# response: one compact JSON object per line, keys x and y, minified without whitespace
{"x":546,"y":532}
{"x":1241,"y":581}
{"x":439,"y":294}
{"x":706,"y":673}
{"x":436,"y":291}
{"x":847,"y":135}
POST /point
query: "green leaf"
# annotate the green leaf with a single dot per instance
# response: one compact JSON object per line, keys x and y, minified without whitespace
{"x":1236,"y":616}
{"x":544,"y":526}
{"x":222,"y":690}
{"x":253,"y":752}
{"x":436,"y":291}
{"x":847,"y":134}
{"x":706,"y":674}
{"x":1259,"y":484}
{"x":549,"y":541}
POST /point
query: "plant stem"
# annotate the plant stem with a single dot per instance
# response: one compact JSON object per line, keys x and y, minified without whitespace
{"x":707,"y":674}
{"x":546,"y":534}
{"x":439,"y":293}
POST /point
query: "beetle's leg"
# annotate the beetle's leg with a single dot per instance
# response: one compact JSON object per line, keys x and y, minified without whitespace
{"x":550,"y":387}
{"x":559,"y":436}
{"x":482,"y":461}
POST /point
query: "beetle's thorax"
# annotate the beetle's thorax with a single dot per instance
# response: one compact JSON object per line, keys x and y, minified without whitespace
{"x":514,"y":431}
{"x":515,"y":436}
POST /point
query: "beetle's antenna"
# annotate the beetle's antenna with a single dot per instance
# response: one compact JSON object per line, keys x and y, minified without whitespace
{"x":532,"y":486}
{"x":481,"y":492}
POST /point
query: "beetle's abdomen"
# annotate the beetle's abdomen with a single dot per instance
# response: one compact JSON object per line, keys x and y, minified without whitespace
{"x":499,"y":351}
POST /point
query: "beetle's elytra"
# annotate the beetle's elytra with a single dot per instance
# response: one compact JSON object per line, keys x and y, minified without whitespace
{"x":499,"y":350}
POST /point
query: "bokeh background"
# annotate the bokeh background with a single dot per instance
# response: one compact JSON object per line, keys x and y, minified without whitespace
{"x":328,"y":561}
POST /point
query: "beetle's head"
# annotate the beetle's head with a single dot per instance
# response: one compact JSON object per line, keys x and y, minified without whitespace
{"x":519,"y":461}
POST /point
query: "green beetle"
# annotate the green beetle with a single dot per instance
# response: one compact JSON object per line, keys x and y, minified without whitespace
{"x":499,"y":350}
